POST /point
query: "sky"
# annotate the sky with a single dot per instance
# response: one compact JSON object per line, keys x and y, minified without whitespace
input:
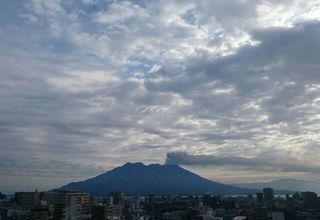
{"x":228,"y":89}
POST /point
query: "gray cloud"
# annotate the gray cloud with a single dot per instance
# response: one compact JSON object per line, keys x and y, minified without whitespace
{"x":261,"y":163}
{"x":84,"y":89}
{"x":36,"y":167}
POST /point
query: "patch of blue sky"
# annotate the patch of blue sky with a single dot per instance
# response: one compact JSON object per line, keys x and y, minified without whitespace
{"x":139,"y":66}
{"x":57,"y":46}
{"x":190,"y":17}
{"x":8,"y":12}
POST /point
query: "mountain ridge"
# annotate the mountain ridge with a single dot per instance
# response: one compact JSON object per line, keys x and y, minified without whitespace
{"x":138,"y":178}
{"x":290,"y":184}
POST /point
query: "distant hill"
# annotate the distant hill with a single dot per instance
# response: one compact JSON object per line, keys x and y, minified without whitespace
{"x":137,"y":178}
{"x":285,"y":184}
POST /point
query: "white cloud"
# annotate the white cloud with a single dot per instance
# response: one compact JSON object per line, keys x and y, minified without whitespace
{"x":120,"y":12}
{"x":117,"y":81}
{"x":79,"y":81}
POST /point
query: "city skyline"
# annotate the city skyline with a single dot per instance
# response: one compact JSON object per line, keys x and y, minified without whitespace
{"x":227,"y":89}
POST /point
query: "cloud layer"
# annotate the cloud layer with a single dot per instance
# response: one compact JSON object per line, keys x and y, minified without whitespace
{"x":259,"y":163}
{"x":88,"y":85}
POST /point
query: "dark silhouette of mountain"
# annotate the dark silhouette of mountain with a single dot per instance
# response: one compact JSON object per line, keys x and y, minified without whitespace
{"x":137,"y":178}
{"x":285,"y":184}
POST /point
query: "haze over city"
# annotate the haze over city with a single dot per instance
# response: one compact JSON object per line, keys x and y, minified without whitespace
{"x":227,"y":89}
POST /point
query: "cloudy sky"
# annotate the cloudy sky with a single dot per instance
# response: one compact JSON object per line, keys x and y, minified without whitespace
{"x":229,"y":89}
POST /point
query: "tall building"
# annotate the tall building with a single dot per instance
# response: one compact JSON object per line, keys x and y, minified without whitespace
{"x":99,"y":213}
{"x":115,"y":204}
{"x":268,"y":194}
{"x":310,"y":200}
{"x":26,"y":200}
{"x":117,"y":198}
{"x":39,"y":214}
{"x":48,"y":200}
{"x":277,"y":215}
{"x":259,"y":197}
{"x":73,"y":210}
{"x":2,"y":196}
{"x":48,"y":197}
{"x":71,"y":205}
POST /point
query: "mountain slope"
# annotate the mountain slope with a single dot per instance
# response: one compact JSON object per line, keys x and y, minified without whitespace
{"x":285,"y":184}
{"x":137,"y":178}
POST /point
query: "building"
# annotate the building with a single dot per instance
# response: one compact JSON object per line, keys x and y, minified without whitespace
{"x":48,"y":197}
{"x":117,"y":198}
{"x":71,"y":205}
{"x":268,"y":194}
{"x":277,"y":215}
{"x":114,"y":212}
{"x":2,"y":196}
{"x":259,"y":197}
{"x":48,"y":200}
{"x":115,"y":204}
{"x":26,"y":200}
{"x":310,"y":200}
{"x":39,"y":214}
{"x":240,"y":218}
{"x":99,"y":213}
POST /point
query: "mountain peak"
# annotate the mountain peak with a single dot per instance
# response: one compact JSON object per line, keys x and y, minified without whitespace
{"x":138,"y":178}
{"x":134,"y":164}
{"x":152,"y":165}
